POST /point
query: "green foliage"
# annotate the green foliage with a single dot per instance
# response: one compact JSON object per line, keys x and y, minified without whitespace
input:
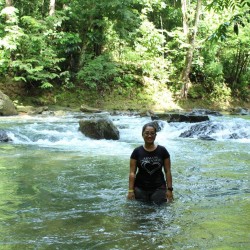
{"x":214,"y":72}
{"x":219,"y":68}
{"x":33,"y":8}
{"x":149,"y":39}
{"x":122,"y":45}
{"x":223,"y":32}
{"x":240,"y":17}
{"x":221,"y":93}
{"x":196,"y":91}
{"x":146,"y":57}
{"x":98,"y":73}
{"x":227,"y":4}
{"x":28,"y":54}
{"x":243,"y":90}
{"x":11,"y":34}
{"x":36,"y":63}
{"x":236,"y":63}
{"x":66,"y":44}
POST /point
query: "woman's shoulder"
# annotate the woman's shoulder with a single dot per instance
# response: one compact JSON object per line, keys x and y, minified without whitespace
{"x":136,"y":152}
{"x":163,"y":149}
{"x":138,"y":148}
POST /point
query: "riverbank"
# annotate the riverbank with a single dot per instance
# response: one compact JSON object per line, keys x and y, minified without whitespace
{"x":152,"y":97}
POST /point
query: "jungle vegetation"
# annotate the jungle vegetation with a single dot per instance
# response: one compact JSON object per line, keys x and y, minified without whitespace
{"x":196,"y":48}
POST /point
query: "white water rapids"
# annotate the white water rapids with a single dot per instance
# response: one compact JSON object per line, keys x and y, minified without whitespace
{"x":62,"y":132}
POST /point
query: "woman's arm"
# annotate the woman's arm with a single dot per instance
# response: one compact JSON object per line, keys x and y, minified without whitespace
{"x":167,"y":169}
{"x":132,"y":172}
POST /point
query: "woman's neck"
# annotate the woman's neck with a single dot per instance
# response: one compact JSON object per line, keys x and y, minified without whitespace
{"x":149,"y":147}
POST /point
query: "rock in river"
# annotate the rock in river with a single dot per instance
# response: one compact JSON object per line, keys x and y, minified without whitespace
{"x":99,"y":128}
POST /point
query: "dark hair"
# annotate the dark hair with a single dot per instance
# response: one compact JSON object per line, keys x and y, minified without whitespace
{"x":150,"y":124}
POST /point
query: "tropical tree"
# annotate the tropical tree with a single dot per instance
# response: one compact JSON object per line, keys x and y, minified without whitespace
{"x":190,"y":34}
{"x":52,"y":7}
{"x":110,"y":43}
{"x":26,"y":53}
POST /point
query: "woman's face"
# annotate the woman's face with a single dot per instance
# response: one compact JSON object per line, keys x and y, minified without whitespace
{"x":149,"y":134}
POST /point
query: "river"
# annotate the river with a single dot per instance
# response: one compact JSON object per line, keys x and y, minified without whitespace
{"x":61,"y":190}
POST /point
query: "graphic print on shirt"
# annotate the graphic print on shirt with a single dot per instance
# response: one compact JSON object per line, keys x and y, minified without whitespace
{"x":151,"y":164}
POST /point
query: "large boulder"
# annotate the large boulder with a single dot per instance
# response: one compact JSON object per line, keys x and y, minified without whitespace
{"x":99,"y":128}
{"x":7,"y":107}
{"x":181,"y":117}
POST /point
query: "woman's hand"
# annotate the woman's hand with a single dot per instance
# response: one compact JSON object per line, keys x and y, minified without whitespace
{"x":131,"y":195}
{"x":169,"y":196}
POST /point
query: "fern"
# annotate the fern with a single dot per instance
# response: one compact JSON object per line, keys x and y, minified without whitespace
{"x":46,"y":85}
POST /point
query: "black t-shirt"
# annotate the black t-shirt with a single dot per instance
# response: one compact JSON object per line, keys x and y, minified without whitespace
{"x":149,"y":167}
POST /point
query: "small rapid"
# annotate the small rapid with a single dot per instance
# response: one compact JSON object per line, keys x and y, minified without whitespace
{"x":63,"y":131}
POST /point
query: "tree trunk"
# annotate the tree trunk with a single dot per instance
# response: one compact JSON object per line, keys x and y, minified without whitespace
{"x":8,"y":3}
{"x":52,"y":5}
{"x":184,"y":17}
{"x":190,"y":38}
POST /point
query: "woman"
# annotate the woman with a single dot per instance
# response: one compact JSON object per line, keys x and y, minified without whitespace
{"x":146,"y":178}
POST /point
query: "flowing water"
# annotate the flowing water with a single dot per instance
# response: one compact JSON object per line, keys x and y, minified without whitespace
{"x":61,"y":190}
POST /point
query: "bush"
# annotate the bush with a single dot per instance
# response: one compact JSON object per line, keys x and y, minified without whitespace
{"x":214,"y":72}
{"x":196,"y":91}
{"x":99,"y":73}
{"x":221,"y":93}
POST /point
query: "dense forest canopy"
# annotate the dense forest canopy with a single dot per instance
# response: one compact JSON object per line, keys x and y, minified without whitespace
{"x":198,"y":49}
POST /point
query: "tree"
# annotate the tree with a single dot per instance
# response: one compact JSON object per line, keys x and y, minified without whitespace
{"x":126,"y":43}
{"x":8,"y":3}
{"x":190,"y":34}
{"x":52,"y":7}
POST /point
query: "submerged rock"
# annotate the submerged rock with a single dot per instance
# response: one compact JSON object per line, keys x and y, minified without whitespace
{"x":238,"y":136}
{"x":4,"y":137}
{"x":239,"y":111}
{"x":201,"y":130}
{"x":205,"y":112}
{"x":181,"y":117}
{"x":99,"y":128}
{"x":206,"y":138}
{"x":208,"y":130}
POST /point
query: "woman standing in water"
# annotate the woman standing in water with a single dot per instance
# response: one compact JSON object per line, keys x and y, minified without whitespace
{"x":146,"y":178}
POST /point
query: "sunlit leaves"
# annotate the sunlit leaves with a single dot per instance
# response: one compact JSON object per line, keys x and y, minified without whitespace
{"x":228,"y":4}
{"x":223,"y":31}
{"x":240,"y":16}
{"x":10,"y":13}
